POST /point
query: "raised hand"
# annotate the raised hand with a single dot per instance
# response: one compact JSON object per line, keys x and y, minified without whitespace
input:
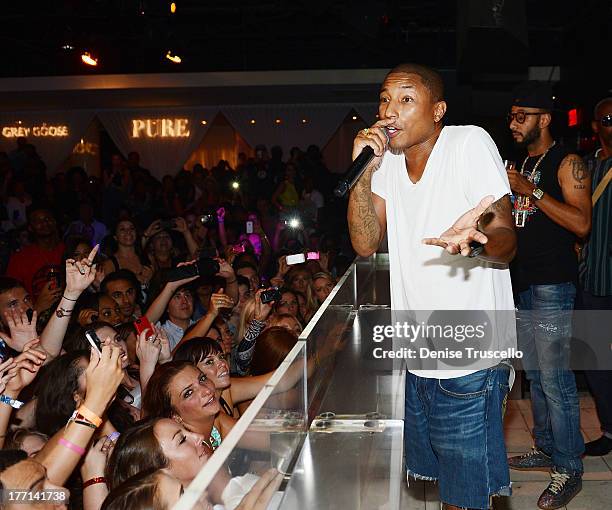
{"x":27,"y":365}
{"x":219,"y":300}
{"x":262,"y":310}
{"x":148,"y":348}
{"x":21,"y":329}
{"x":180,"y":225}
{"x":5,"y":372}
{"x":165,"y":353}
{"x":225,"y":270}
{"x":458,"y":237}
{"x":80,"y":275}
{"x":103,"y":376}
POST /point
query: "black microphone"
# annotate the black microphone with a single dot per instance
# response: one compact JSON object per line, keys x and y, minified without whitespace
{"x":355,"y":171}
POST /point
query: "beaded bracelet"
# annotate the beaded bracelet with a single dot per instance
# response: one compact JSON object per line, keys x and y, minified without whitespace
{"x":92,"y":481}
{"x":71,"y":446}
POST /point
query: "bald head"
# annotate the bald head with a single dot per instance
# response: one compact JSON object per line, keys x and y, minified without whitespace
{"x":604,"y":104}
{"x":430,"y":78}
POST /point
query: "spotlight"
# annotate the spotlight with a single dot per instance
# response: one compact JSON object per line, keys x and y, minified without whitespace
{"x":67,"y":47}
{"x":252,"y":121}
{"x":278,"y":121}
{"x":235,"y":185}
{"x":354,"y":117}
{"x":294,"y":222}
{"x":204,"y":122}
{"x":175,"y":59}
{"x":173,"y":7}
{"x":304,"y":121}
{"x":88,"y":59}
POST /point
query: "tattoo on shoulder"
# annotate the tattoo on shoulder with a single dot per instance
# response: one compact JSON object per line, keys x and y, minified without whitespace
{"x":500,"y":207}
{"x":580,"y":171}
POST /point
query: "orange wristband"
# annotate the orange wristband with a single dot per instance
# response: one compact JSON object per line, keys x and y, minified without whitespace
{"x":90,"y":415}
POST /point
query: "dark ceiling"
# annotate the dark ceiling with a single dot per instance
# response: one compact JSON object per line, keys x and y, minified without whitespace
{"x":132,"y":36}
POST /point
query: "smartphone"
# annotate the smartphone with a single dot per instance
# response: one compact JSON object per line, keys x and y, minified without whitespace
{"x":249,"y":227}
{"x":295,"y":259}
{"x":142,"y":324}
{"x":269,"y":295}
{"x":94,"y":340}
{"x":312,"y":255}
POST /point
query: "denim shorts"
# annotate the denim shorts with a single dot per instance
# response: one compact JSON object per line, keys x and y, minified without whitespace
{"x":453,"y":433}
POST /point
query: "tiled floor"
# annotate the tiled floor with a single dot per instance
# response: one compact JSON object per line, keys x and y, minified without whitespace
{"x":527,"y":486}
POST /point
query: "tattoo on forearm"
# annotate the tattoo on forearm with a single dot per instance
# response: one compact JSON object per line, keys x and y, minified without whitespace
{"x":580,"y":172}
{"x":362,"y":219}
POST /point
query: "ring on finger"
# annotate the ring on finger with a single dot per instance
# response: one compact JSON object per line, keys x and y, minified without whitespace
{"x":366,"y":131}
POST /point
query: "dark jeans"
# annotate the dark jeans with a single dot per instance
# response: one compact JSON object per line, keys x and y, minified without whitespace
{"x":600,"y":381}
{"x":544,"y":330}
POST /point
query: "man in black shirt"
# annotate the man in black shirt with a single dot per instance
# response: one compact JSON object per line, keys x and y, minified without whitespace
{"x":552,"y":207}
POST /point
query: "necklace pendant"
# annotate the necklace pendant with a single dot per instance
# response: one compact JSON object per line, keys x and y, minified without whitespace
{"x":520,"y":217}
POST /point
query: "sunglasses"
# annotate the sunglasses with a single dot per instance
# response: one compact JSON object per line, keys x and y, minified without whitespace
{"x":606,"y":120}
{"x":520,"y":117}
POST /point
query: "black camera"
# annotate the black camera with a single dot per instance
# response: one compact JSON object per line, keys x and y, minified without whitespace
{"x":205,"y":266}
{"x":167,"y":224}
{"x":269,"y":295}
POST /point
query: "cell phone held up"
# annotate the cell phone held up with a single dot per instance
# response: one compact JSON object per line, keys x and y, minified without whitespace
{"x":269,"y":295}
{"x":143,"y":323}
{"x":94,"y":340}
{"x":205,"y":266}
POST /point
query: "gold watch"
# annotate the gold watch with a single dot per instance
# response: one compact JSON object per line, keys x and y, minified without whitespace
{"x":537,"y":193}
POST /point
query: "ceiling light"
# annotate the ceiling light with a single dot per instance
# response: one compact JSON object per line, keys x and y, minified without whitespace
{"x":175,"y":59}
{"x":354,"y":117}
{"x":172,"y":7}
{"x":304,"y":121}
{"x":252,"y":121}
{"x":204,"y":122}
{"x":88,"y":59}
{"x":67,"y":47}
{"x":278,"y":121}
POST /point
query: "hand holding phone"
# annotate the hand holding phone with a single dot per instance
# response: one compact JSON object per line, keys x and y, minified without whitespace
{"x":94,"y":341}
{"x":143,"y":323}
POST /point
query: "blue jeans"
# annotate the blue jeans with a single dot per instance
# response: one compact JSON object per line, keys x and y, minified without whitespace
{"x":544,"y":329}
{"x":453,"y":433}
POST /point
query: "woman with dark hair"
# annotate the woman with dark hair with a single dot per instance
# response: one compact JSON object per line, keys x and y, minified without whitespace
{"x":127,"y":254}
{"x":146,"y":490}
{"x":208,"y":356}
{"x":62,"y":387}
{"x":180,"y":391}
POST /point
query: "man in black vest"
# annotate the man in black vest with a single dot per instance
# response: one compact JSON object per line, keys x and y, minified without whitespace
{"x":552,"y":206}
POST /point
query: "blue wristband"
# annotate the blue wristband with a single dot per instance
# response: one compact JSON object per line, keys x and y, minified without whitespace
{"x":14,"y":403}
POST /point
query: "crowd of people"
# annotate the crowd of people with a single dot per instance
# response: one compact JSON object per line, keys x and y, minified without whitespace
{"x":140,"y":318}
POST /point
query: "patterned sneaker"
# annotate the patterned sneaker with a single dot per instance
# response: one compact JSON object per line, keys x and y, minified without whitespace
{"x":560,"y":490}
{"x":535,"y":459}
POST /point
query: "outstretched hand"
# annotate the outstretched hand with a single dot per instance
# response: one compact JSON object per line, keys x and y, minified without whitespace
{"x":458,"y":237}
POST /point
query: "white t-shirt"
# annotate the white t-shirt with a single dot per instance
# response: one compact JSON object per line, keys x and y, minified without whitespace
{"x":463,"y":167}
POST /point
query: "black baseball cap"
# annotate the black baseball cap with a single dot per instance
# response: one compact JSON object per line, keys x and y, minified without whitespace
{"x":533,"y":94}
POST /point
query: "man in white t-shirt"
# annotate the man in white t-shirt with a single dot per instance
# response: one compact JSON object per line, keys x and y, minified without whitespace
{"x":431,"y":187}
